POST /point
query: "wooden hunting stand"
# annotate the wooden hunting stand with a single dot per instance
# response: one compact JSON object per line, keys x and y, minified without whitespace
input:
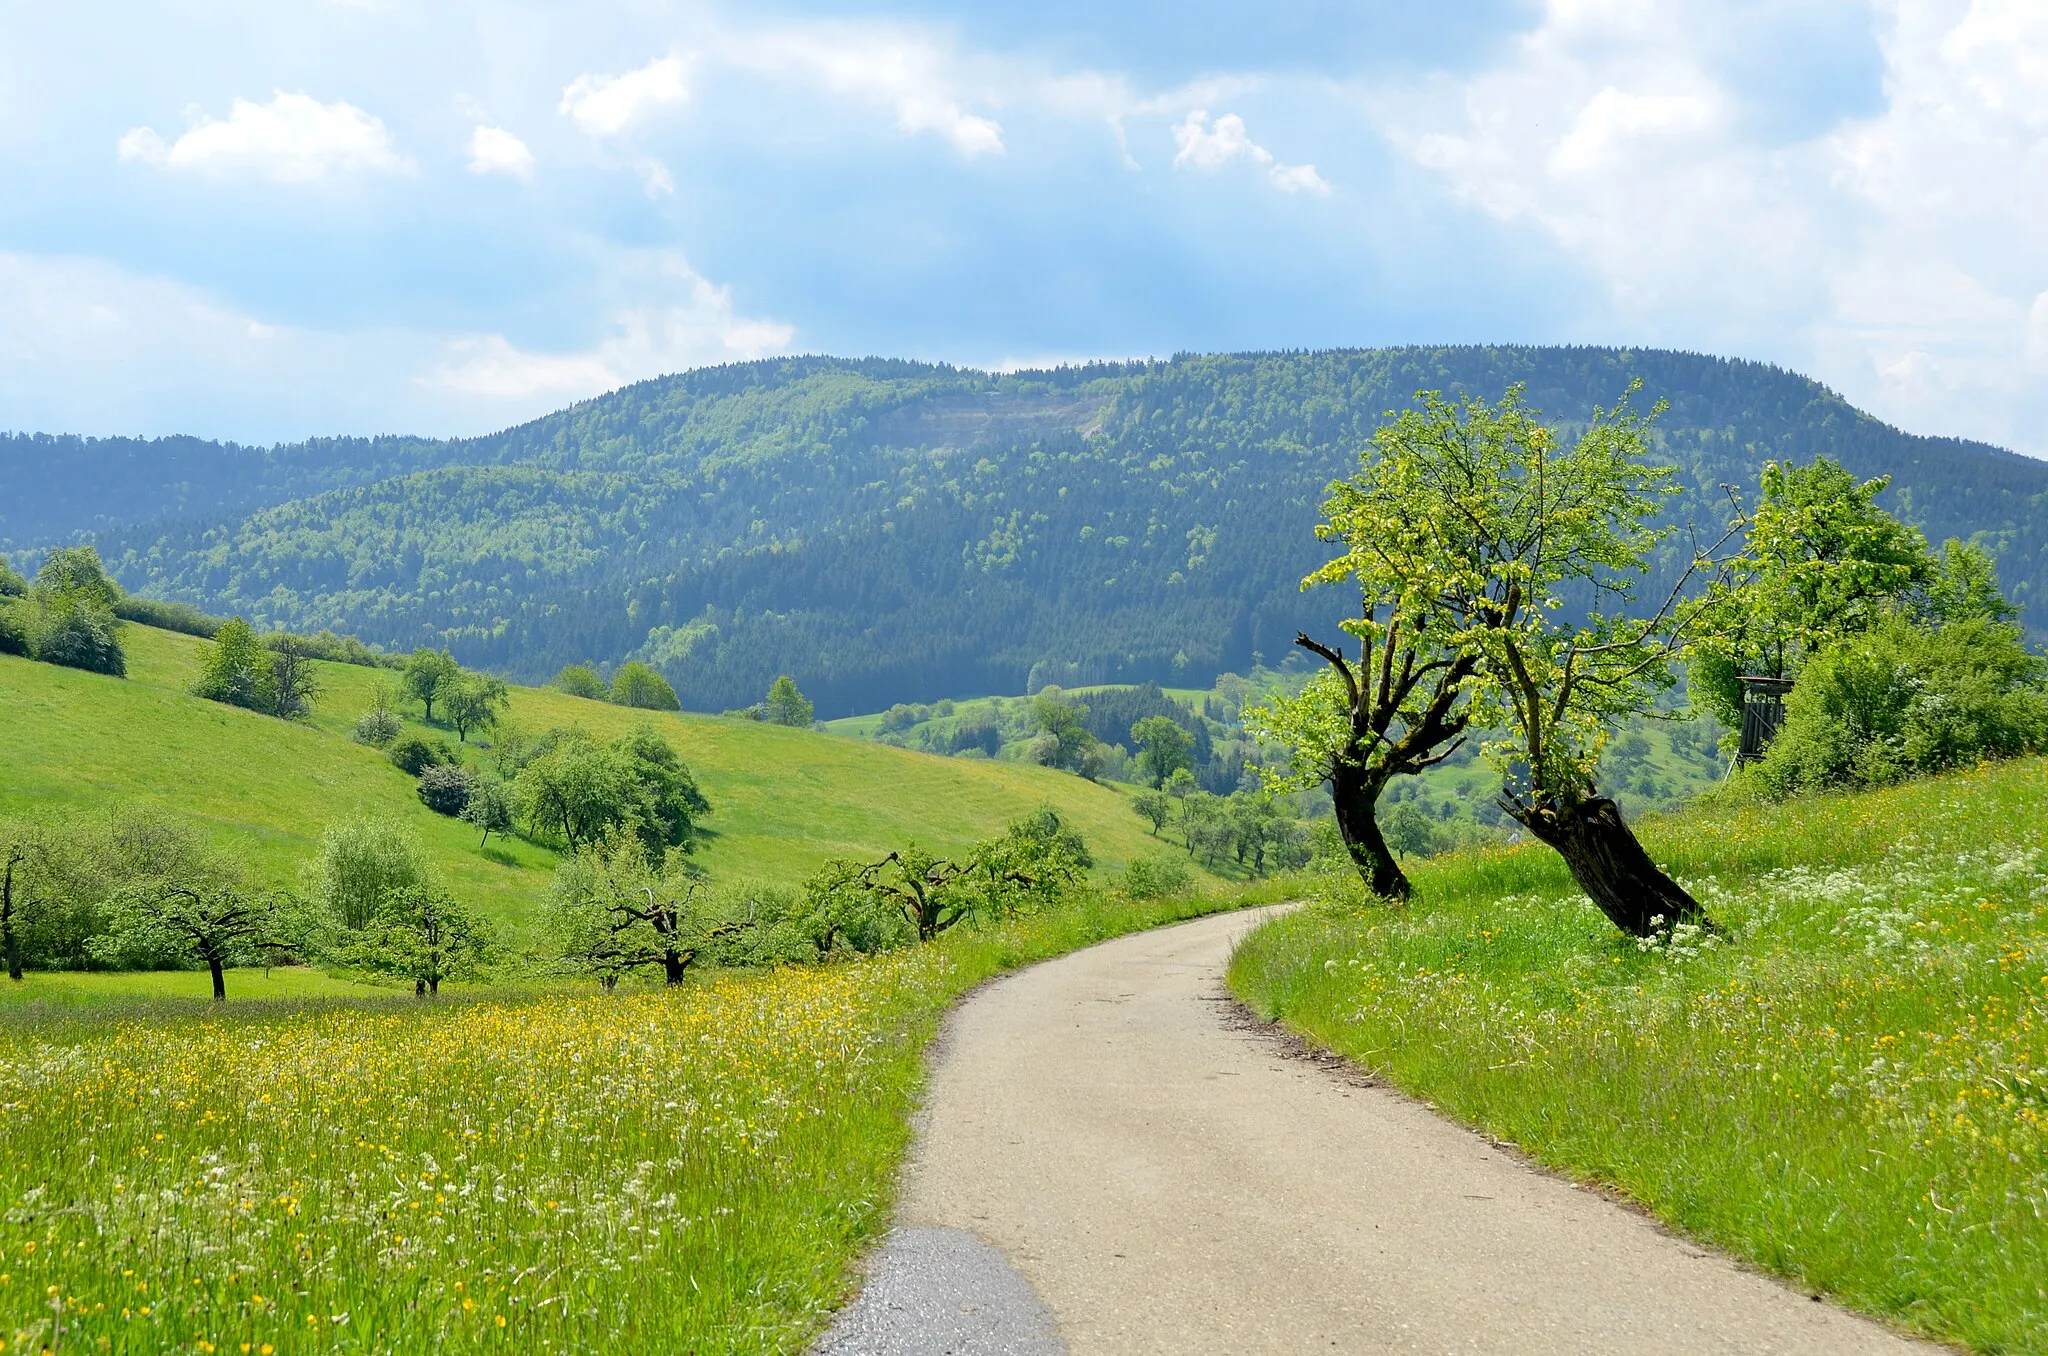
{"x":1763,"y":710}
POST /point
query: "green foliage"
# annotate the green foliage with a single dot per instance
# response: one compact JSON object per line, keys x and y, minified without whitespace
{"x":15,"y":637}
{"x":1163,"y":747}
{"x":786,"y":705}
{"x":1822,"y":561}
{"x":581,"y":680}
{"x":487,"y":807}
{"x":571,"y":789}
{"x":73,"y":623}
{"x":444,"y":789}
{"x":473,"y":702}
{"x":205,"y":918}
{"x":613,"y":910}
{"x":1900,"y":699}
{"x":1155,"y":878}
{"x":414,"y":754}
{"x":1154,"y":807}
{"x":362,"y":863}
{"x":12,"y":585}
{"x":168,"y":616}
{"x":235,"y":669}
{"x":379,"y":725}
{"x":422,"y":933}
{"x":1064,"y":739}
{"x":77,"y":570}
{"x":1409,"y":831}
{"x":637,"y":685}
{"x":428,"y":675}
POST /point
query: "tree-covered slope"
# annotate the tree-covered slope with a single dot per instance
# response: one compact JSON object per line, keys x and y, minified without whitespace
{"x":891,"y":531}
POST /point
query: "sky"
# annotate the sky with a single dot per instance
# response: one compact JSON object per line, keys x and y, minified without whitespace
{"x":265,"y":220}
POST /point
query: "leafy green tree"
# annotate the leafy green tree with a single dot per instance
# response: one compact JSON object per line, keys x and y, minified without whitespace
{"x":380,"y":724}
{"x":635,"y":684}
{"x":22,"y":852}
{"x":76,"y":570}
{"x":1477,"y":526}
{"x":414,"y":754}
{"x":15,"y":635}
{"x":611,"y":911}
{"x":1154,"y":807}
{"x":1823,"y":561}
{"x":12,"y":585}
{"x":422,"y":933}
{"x":489,"y":807}
{"x":473,"y":702}
{"x":72,"y":627}
{"x":1409,"y":830}
{"x":1965,"y":587}
{"x":362,"y":863}
{"x":674,"y":802}
{"x":444,"y":789}
{"x":235,"y":669}
{"x":210,"y":920}
{"x":428,"y":675}
{"x":1162,"y":747}
{"x":581,"y":680}
{"x":786,"y":705}
{"x":1063,"y":723}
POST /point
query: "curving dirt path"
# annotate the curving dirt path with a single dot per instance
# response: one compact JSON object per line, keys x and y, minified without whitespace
{"x":1168,"y":1181}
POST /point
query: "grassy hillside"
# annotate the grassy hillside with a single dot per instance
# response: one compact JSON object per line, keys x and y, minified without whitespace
{"x":1847,"y":1083}
{"x":785,"y":800}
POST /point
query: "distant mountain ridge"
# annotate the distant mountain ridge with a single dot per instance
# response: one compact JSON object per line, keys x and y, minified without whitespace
{"x":893,"y":531}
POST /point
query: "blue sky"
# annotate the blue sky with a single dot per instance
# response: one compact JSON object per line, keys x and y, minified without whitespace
{"x":270,"y":220}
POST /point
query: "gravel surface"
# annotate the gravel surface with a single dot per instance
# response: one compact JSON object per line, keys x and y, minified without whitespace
{"x":1168,"y":1179}
{"x":942,"y":1292}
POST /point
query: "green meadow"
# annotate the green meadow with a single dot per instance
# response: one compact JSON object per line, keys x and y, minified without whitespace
{"x":784,"y":800}
{"x":1846,"y":1082}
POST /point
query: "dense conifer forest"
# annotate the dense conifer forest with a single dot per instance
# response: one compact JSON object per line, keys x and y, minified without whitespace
{"x":890,"y":531}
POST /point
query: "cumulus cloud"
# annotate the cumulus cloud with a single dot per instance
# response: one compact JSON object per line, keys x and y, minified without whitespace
{"x":671,"y":318}
{"x":1205,"y":146}
{"x":493,"y":150}
{"x":605,"y":105}
{"x":909,"y":74}
{"x":292,"y":139}
{"x":1893,"y":254}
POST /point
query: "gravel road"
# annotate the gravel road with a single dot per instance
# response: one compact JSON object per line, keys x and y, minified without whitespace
{"x":1162,"y":1179}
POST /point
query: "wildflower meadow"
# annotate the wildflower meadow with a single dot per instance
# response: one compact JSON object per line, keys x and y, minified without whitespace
{"x":1845,"y":1081}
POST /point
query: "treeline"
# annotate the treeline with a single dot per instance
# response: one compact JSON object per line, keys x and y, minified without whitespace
{"x":893,"y":531}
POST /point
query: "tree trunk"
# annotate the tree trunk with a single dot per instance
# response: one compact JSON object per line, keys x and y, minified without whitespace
{"x":1355,"y":793}
{"x":1611,"y":866}
{"x":419,"y":988}
{"x":433,"y":986}
{"x":8,"y":939}
{"x":220,"y":981}
{"x":673,"y":963}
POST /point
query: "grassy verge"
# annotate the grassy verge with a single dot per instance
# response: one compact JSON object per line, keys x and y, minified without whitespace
{"x":650,"y":1171}
{"x":1849,"y":1086}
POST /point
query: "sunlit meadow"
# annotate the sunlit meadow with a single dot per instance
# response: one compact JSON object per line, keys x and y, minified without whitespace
{"x":1847,"y":1084}
{"x":654,"y":1171}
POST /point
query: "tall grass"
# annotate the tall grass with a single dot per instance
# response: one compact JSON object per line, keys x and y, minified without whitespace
{"x":651,"y":1171}
{"x":1847,"y":1084}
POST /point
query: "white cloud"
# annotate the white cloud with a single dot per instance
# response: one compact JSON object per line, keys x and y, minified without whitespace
{"x":673,"y":319}
{"x":1895,"y":255}
{"x":493,"y":150}
{"x":908,"y":74}
{"x":292,"y":139}
{"x":604,"y":105}
{"x":1209,"y":147}
{"x":89,"y":347}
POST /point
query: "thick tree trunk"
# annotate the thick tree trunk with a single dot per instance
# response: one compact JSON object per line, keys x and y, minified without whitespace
{"x":1355,"y":794}
{"x":419,"y":988}
{"x":8,"y":939}
{"x":220,"y":980}
{"x":1611,"y":866}
{"x":434,"y":986}
{"x":673,"y":963}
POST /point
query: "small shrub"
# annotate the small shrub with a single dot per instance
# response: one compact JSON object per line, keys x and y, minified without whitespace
{"x":1156,"y":877}
{"x":12,"y":585}
{"x":14,"y":637}
{"x":444,"y":789}
{"x":416,"y":753}
{"x":378,"y":726}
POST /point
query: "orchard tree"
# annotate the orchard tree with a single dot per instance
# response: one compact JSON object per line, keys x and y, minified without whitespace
{"x":473,"y":701}
{"x":208,"y":919}
{"x":635,"y":684}
{"x":1061,"y":723}
{"x":428,"y":676}
{"x":581,"y":680}
{"x":1154,"y":807}
{"x":1162,"y":747}
{"x":489,"y":807}
{"x":293,"y":683}
{"x":423,"y":934}
{"x":235,"y":669}
{"x":612,"y":912}
{"x":1520,"y":558}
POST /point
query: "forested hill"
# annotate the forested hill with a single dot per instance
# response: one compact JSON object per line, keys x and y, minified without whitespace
{"x":893,"y":531}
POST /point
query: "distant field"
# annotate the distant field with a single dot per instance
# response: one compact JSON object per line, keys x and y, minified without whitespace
{"x":1847,"y":1085}
{"x":785,"y":800}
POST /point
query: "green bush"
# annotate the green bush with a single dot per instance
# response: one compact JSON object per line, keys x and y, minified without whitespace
{"x":12,"y":585}
{"x":444,"y":789}
{"x":76,"y":630}
{"x":1902,"y":700}
{"x":236,"y":670}
{"x":14,"y":637}
{"x":1156,"y":877}
{"x":581,"y":680}
{"x":169,"y":616}
{"x":637,"y":685}
{"x":416,"y":753}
